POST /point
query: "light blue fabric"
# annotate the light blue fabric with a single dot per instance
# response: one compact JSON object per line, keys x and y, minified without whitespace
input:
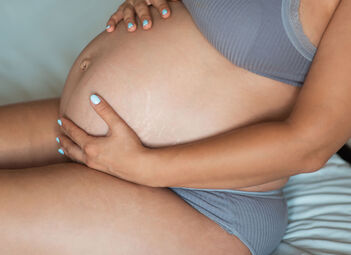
{"x":319,"y":208}
{"x":261,"y":36}
{"x":258,"y":219}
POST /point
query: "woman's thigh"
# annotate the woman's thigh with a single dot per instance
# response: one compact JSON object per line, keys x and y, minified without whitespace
{"x":71,"y":209}
{"x":27,"y":134}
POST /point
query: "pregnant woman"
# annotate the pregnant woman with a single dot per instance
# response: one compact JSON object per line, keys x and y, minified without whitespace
{"x":211,"y":111}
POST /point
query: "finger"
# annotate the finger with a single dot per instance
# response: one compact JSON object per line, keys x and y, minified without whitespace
{"x":79,"y":136}
{"x":143,"y":13}
{"x":129,"y":17}
{"x":107,"y":113}
{"x":113,"y":21}
{"x":163,"y":7}
{"x":110,"y":26}
{"x":70,"y":149}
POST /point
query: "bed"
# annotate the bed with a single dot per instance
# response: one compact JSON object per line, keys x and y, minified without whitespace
{"x":56,"y":31}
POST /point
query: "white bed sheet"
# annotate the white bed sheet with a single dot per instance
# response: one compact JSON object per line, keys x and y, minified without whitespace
{"x":39,"y":41}
{"x":319,"y":211}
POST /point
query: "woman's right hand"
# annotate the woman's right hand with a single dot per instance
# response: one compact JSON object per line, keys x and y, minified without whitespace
{"x":127,"y":10}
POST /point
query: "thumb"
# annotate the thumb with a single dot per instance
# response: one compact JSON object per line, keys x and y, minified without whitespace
{"x":107,"y":113}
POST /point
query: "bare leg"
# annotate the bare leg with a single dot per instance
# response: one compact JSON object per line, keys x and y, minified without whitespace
{"x":27,"y":134}
{"x":71,"y":209}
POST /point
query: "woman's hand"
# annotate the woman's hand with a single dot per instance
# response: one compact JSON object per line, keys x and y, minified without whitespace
{"x":127,"y":10}
{"x":119,"y":153}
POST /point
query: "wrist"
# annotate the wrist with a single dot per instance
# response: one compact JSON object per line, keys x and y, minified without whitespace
{"x":155,"y":166}
{"x":147,"y":167}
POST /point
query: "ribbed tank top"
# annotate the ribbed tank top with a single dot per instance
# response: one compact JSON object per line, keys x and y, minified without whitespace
{"x":262,"y":36}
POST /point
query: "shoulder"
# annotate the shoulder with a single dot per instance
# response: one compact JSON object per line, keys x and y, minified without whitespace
{"x":321,"y":113}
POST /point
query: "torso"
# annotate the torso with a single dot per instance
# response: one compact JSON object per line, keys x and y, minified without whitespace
{"x":161,"y":86}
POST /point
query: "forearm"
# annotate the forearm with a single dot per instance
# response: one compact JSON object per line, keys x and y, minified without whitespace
{"x":244,"y":157}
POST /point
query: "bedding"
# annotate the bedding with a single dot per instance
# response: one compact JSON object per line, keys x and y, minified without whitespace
{"x":56,"y":31}
{"x":319,"y":209}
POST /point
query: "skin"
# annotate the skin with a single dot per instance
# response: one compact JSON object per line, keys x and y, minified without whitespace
{"x":155,"y":127}
{"x":219,"y":102}
{"x":82,"y":147}
{"x":71,"y":209}
{"x":31,"y":129}
{"x":129,"y":8}
{"x":72,"y":194}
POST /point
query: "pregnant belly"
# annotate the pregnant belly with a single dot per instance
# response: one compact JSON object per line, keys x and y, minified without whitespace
{"x":170,"y":85}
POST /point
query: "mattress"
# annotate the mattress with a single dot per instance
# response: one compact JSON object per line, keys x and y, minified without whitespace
{"x":39,"y":42}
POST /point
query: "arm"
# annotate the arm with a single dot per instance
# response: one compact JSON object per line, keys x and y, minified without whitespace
{"x":317,"y":127}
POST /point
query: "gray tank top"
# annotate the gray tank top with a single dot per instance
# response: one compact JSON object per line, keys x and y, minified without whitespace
{"x":262,"y":36}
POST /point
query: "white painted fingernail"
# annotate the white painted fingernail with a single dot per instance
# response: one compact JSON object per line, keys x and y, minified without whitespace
{"x":57,"y":140}
{"x":59,"y":122}
{"x":95,"y":99}
{"x":107,"y":27}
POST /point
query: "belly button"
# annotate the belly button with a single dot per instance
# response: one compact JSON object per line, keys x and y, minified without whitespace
{"x":84,"y":64}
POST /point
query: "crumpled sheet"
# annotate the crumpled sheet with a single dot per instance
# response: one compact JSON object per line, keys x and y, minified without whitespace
{"x":319,"y":206}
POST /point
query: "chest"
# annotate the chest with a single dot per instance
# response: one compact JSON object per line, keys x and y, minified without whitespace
{"x":274,"y":38}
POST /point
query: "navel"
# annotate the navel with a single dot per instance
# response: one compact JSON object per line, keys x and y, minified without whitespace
{"x":84,"y":64}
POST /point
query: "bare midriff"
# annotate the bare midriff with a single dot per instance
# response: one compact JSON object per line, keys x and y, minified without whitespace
{"x":171,"y":86}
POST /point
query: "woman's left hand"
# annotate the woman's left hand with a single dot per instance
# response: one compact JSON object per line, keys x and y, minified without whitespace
{"x":119,"y":153}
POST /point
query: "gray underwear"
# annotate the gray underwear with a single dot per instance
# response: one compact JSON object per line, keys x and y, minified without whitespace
{"x":258,"y":219}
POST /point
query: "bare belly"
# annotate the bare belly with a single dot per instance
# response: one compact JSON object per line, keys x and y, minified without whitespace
{"x":171,"y":86}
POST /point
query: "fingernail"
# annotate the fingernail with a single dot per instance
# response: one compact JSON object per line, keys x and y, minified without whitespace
{"x":130,"y":25}
{"x":107,"y":27}
{"x":59,"y":122}
{"x":61,"y":151}
{"x":57,"y":140}
{"x":95,"y":99}
{"x":145,"y":22}
{"x":164,"y":12}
